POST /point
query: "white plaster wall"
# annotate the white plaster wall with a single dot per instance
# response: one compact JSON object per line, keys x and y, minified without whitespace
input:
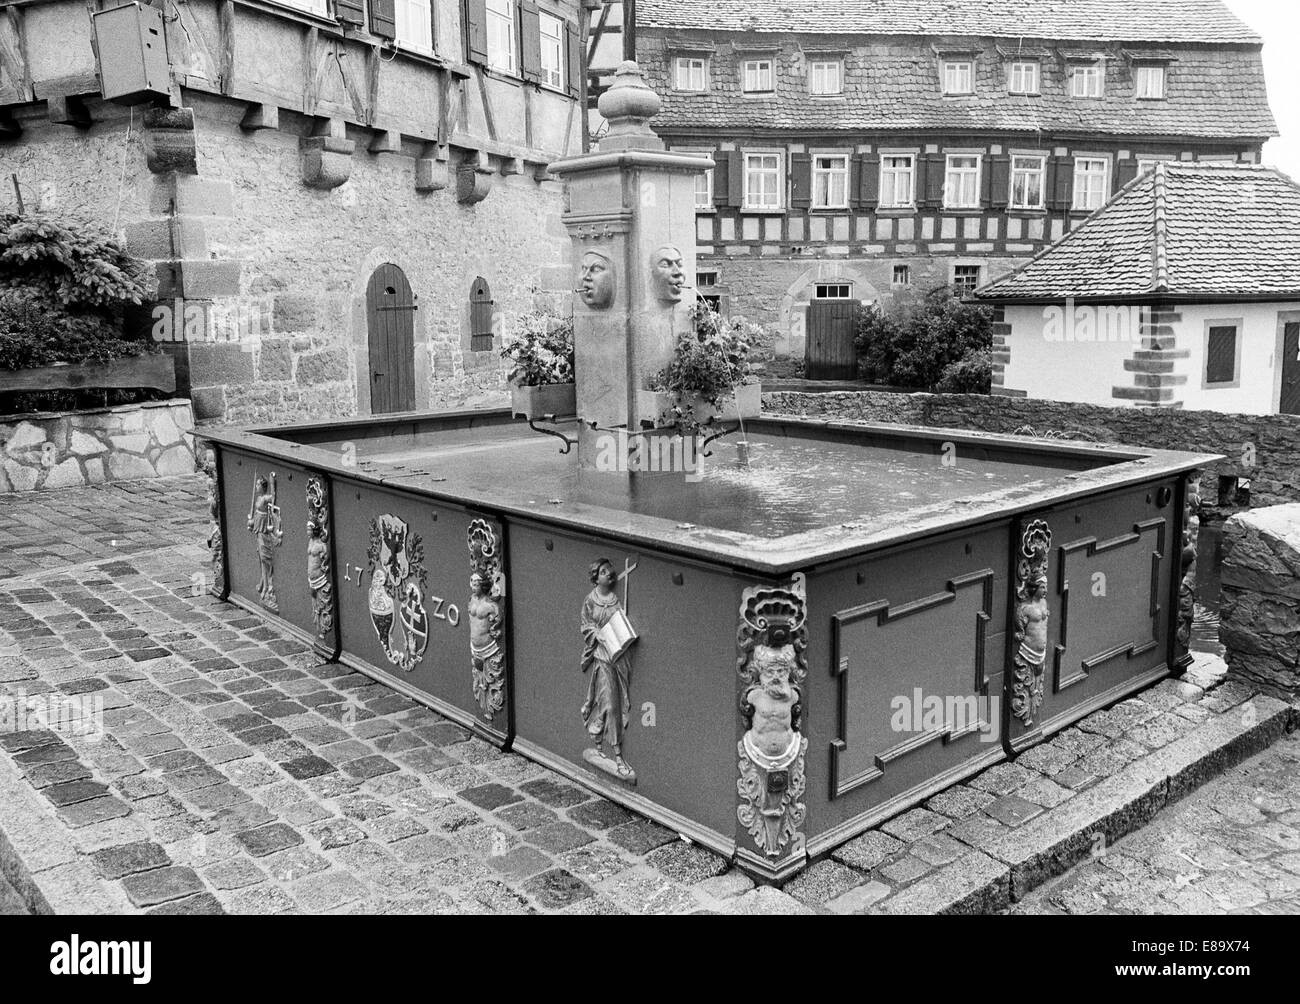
{"x":1261,"y":366}
{"x":1064,"y":370}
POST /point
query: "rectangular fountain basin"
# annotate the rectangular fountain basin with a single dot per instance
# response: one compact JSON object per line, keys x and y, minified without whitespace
{"x":823,"y":628}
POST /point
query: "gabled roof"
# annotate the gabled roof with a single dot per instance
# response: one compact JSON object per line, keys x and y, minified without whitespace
{"x":1185,"y":232}
{"x":1092,"y":20}
{"x":1212,"y":93}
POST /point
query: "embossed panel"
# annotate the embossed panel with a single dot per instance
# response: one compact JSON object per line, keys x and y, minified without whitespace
{"x":941,"y":639}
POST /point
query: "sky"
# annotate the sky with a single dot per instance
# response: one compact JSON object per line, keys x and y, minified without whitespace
{"x":1278,"y":21}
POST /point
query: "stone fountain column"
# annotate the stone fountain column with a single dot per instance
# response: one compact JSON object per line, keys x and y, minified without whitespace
{"x":630,"y":211}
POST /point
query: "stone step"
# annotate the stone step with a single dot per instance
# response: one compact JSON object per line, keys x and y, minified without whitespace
{"x":1147,"y":395}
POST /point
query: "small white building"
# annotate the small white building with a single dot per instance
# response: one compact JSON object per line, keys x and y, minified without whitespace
{"x":1182,"y":291}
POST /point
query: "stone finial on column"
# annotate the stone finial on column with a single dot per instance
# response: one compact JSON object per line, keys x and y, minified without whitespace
{"x":628,"y":106}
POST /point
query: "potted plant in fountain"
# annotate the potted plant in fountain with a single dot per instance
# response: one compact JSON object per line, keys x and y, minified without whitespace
{"x":708,"y":381}
{"x":541,"y":368}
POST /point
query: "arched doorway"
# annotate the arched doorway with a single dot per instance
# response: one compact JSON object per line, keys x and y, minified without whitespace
{"x":390,"y":328}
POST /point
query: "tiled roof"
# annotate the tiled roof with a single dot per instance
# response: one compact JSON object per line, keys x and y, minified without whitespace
{"x":894,"y":85}
{"x":1094,"y":20}
{"x":1183,"y":231}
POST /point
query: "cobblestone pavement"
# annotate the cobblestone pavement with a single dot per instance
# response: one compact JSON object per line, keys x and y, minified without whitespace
{"x":237,"y":773}
{"x":1231,"y":847}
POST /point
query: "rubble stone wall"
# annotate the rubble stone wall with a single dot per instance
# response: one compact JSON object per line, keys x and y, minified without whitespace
{"x":1260,"y":625}
{"x":67,"y":449}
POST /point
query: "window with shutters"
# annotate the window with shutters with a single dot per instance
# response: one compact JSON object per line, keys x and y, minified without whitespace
{"x":1028,"y":182}
{"x":764,"y":180}
{"x":414,"y":24}
{"x":825,"y":76}
{"x":958,"y":76}
{"x":1091,"y":181}
{"x":1087,"y":80}
{"x":758,"y":76}
{"x":830,"y":181}
{"x":482,"y":316}
{"x":1022,"y":76}
{"x":692,"y":74}
{"x":902,"y":275}
{"x":552,"y":36}
{"x":1222,"y":354}
{"x":1149,"y":81}
{"x":703,"y":180}
{"x":501,"y":53}
{"x":962,"y":183}
{"x":897,"y":181}
{"x":965,"y":279}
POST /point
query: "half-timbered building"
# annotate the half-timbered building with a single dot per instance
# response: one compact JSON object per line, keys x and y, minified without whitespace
{"x":867,"y":147}
{"x":347,"y":200}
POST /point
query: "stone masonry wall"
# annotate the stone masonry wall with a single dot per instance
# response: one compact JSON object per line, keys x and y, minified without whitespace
{"x":1263,"y":449}
{"x":1260,"y":625}
{"x":275,"y":268}
{"x":127,"y":443}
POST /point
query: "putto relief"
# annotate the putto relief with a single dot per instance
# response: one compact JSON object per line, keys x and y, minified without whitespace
{"x":486,"y":609}
{"x":264,"y":523}
{"x":667,"y":277}
{"x":597,"y":283}
{"x":1032,"y":615}
{"x":319,"y":579}
{"x":772,"y":639}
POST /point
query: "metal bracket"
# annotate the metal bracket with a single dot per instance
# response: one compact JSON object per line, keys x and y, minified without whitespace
{"x":568,"y":443}
{"x":704,"y":447}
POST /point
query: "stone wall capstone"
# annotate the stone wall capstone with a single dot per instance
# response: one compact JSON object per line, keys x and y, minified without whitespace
{"x":70,"y":449}
{"x":1261,"y":449}
{"x":1260,"y":616}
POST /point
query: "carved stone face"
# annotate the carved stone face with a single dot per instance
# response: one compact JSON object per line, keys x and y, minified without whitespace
{"x":596,"y":280}
{"x":775,"y":667}
{"x":666,"y":274}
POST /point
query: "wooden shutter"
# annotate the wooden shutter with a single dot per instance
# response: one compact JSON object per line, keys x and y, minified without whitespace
{"x":1061,"y":170}
{"x":480,"y":316}
{"x":866,"y":182}
{"x":1125,"y":171}
{"x":1221,"y":355}
{"x":800,"y":181}
{"x":936,"y":168}
{"x":530,"y":42}
{"x":1000,"y":182}
{"x":383,"y":18}
{"x":721,"y":177}
{"x":736,"y":179}
{"x":349,"y":11}
{"x":476,"y":47}
{"x":573,"y":58}
{"x":986,"y":182}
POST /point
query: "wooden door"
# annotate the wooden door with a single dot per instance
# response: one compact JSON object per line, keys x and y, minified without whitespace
{"x":831,"y":353}
{"x":390,"y":324}
{"x":1290,"y":402}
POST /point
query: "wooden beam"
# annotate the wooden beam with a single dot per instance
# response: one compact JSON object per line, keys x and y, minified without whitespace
{"x":487,"y":103}
{"x":19,"y":28}
{"x":61,"y":87}
{"x":260,"y":116}
{"x":68,"y":110}
{"x":373,"y":66}
{"x":311,"y":64}
{"x":226,"y":32}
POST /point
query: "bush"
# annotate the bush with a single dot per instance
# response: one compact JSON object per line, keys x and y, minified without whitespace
{"x":34,"y":333}
{"x":542,"y":352}
{"x":73,"y":265}
{"x":971,"y":375}
{"x":922,"y":341}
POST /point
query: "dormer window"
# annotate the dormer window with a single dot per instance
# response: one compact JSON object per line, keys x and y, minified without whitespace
{"x":1023,"y":76}
{"x":1149,"y":81}
{"x":758,"y":75}
{"x":958,"y":76}
{"x":1087,"y":80}
{"x":691,"y":73}
{"x":825,"y":76}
